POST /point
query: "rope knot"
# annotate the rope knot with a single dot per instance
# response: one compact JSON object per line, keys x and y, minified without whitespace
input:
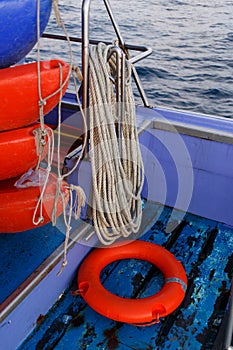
{"x":40,"y":139}
{"x":40,"y":220}
{"x":78,"y":72}
{"x":64,"y":263}
{"x":42,"y":103}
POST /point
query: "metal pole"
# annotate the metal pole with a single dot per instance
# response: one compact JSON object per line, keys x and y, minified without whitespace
{"x":85,"y":51}
{"x":85,"y":65}
{"x":122,"y":45}
{"x":114,"y":23}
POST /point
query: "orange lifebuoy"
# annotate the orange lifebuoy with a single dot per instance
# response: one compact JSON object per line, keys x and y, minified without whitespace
{"x":144,"y":311}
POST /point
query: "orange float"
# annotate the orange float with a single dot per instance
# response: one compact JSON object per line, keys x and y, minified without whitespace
{"x":17,"y":205}
{"x":19,"y":91}
{"x":145,"y":311}
{"x":18,"y":151}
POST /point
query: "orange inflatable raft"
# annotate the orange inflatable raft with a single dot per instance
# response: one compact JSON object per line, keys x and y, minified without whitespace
{"x":19,"y":91}
{"x":17,"y":205}
{"x":18,"y":151}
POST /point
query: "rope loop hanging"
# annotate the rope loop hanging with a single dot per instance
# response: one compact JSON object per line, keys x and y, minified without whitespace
{"x":43,"y":136}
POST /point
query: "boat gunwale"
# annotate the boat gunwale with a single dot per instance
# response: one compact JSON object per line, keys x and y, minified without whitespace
{"x":193,"y":124}
{"x":203,"y":133}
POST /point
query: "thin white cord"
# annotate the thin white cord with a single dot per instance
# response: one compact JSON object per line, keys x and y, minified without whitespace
{"x":44,"y":136}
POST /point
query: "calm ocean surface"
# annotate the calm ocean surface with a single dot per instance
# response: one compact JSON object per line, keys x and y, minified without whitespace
{"x":192,"y":62}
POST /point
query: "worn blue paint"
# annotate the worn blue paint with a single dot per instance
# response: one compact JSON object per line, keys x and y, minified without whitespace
{"x":18,"y":28}
{"x":22,"y":319}
{"x":32,"y":246}
{"x":206,"y":290}
{"x":77,"y":326}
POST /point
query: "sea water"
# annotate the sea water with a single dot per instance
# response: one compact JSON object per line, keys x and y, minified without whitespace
{"x":191,"y":66}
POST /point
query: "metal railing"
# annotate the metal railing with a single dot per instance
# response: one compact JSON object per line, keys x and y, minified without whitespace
{"x":85,"y":50}
{"x":145,"y":51}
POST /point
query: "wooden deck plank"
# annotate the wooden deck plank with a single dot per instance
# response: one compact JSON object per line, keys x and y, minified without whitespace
{"x":198,"y":243}
{"x":142,"y":337}
{"x":192,"y":326}
{"x":97,"y":332}
{"x":28,"y":250}
{"x":190,"y":232}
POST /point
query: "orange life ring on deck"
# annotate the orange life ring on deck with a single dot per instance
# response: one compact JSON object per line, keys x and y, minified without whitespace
{"x":145,"y":311}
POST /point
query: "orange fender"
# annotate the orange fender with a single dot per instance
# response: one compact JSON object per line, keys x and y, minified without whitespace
{"x":145,"y":311}
{"x":17,"y":205}
{"x":19,"y":92}
{"x":18,"y":151}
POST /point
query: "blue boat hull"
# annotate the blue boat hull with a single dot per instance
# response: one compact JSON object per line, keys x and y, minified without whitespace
{"x":186,"y":200}
{"x":199,"y":239}
{"x":18,"y":28}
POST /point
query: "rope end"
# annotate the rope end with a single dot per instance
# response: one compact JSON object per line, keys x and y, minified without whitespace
{"x":64,"y":263}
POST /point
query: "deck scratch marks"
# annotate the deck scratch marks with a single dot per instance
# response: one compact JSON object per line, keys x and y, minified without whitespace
{"x":205,"y":249}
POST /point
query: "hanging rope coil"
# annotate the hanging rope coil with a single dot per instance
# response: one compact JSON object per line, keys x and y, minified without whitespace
{"x":117,"y":167}
{"x":78,"y":201}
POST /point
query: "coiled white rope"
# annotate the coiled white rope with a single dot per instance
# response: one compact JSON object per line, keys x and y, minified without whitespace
{"x":117,"y":167}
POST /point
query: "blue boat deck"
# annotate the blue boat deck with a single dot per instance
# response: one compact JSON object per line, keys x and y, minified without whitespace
{"x":28,"y":250}
{"x":205,"y":248}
